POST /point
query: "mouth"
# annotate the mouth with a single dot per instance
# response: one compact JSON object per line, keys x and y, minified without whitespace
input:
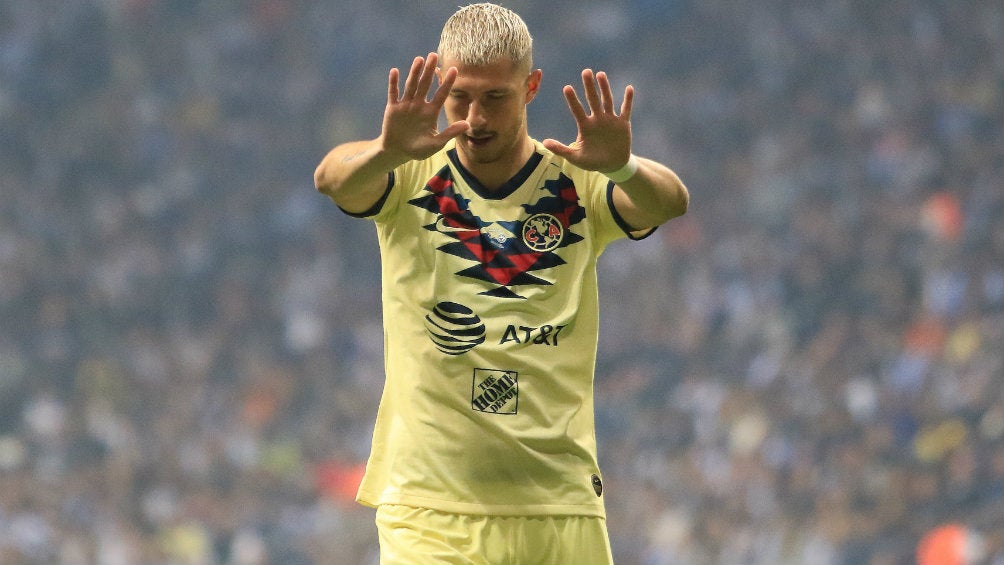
{"x":479,"y":139}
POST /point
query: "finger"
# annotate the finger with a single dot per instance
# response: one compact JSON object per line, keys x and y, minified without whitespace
{"x":454,"y":129}
{"x":411,"y":83}
{"x":557,"y":147}
{"x":393,"y":86}
{"x":628,"y":102}
{"x":428,"y":73}
{"x":578,"y":111}
{"x":592,"y":95}
{"x":606,"y":93}
{"x":445,"y":84}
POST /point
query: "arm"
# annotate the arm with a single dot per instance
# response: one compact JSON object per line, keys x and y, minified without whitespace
{"x":653,"y":196}
{"x":355,"y":174}
{"x":650,"y":196}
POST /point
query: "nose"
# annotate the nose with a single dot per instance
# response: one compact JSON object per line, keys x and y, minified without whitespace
{"x":475,"y":115}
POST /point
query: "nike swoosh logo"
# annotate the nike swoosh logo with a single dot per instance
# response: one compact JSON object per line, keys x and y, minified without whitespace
{"x":443,"y":227}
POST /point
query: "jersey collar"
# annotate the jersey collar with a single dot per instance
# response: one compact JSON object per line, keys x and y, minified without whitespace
{"x":506,"y":189}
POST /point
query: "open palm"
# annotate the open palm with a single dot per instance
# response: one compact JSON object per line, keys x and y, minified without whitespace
{"x":411,"y":119}
{"x":603,"y":142}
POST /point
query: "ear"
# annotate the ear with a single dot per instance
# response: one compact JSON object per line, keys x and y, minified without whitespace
{"x":533,"y":84}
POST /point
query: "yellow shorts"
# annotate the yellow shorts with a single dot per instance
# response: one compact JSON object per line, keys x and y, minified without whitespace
{"x":419,"y":536}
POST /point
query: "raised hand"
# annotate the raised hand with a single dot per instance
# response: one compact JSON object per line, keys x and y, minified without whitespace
{"x":603,"y":142}
{"x":411,"y":119}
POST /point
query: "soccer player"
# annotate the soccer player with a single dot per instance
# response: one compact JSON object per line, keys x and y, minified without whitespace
{"x":484,"y":448}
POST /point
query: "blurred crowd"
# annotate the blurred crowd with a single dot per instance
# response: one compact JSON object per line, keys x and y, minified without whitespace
{"x":807,"y":369}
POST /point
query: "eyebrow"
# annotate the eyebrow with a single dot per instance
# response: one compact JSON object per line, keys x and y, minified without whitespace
{"x":492,"y":91}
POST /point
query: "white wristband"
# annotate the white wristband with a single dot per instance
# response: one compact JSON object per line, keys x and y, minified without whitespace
{"x":624,"y":173}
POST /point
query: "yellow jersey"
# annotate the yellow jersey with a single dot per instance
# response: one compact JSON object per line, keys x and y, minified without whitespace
{"x":490,"y":312}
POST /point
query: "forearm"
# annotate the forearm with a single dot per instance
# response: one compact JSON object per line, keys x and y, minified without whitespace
{"x":655,"y":194}
{"x":354,"y":174}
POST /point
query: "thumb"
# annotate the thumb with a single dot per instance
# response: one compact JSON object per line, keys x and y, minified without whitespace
{"x":557,"y":147}
{"x":453,"y":130}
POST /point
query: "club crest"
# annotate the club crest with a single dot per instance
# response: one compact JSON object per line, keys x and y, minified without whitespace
{"x":543,"y":232}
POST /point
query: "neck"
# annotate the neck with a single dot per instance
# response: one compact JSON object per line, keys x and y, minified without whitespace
{"x":494,"y":174}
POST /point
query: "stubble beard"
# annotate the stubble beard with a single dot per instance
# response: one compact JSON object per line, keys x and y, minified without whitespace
{"x":499,"y":148}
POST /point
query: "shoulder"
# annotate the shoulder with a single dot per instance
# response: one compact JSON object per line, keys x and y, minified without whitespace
{"x":591,"y":186}
{"x":561,"y":165}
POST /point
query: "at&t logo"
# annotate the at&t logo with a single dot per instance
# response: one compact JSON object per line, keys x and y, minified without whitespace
{"x":454,"y":328}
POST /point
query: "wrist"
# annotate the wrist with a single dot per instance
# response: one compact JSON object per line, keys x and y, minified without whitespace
{"x":626,"y":172}
{"x":388,"y":157}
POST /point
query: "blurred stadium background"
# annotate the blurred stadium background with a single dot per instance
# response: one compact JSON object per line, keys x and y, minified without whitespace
{"x":804,"y":370}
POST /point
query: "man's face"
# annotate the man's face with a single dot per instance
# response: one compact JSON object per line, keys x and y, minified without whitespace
{"x":492,"y":98}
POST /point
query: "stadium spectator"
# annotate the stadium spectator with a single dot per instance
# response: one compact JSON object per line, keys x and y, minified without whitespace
{"x":808,"y":371}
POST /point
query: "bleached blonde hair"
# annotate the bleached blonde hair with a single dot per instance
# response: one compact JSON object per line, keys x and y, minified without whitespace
{"x":480,"y":34}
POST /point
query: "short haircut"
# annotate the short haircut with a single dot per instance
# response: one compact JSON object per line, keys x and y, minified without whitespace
{"x":480,"y":34}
